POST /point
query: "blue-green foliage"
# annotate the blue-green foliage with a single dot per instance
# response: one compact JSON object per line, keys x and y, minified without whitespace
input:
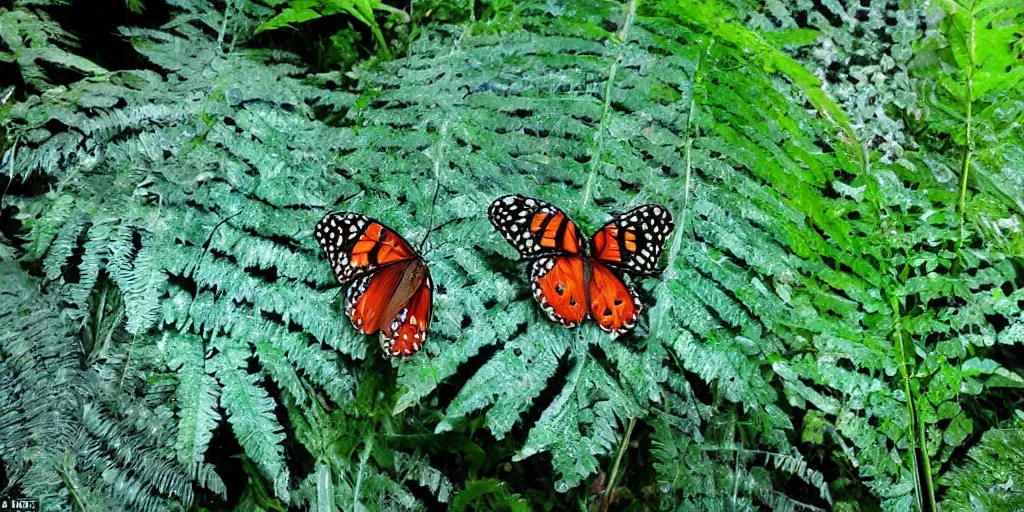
{"x":822,"y":305}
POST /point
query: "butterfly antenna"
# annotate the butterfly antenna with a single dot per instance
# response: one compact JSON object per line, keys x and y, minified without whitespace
{"x":345,"y":199}
{"x":438,"y":228}
{"x":433,"y":203}
{"x":206,"y":244}
{"x":437,"y":184}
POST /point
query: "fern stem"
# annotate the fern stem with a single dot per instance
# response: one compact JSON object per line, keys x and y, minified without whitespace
{"x":78,"y":504}
{"x":599,"y":146}
{"x":100,"y":350}
{"x":922,"y":476}
{"x":608,"y":491}
{"x":412,"y":28}
{"x":736,"y":479}
{"x":10,"y":175}
{"x":968,"y":130}
{"x":224,"y":24}
{"x":127,"y":363}
{"x":929,"y":484}
{"x":677,"y":238}
{"x":599,"y":149}
{"x":363,"y":458}
{"x":628,"y":22}
{"x":379,"y":36}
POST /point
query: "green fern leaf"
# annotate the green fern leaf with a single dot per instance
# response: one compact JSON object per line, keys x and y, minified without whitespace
{"x":250,"y":411}
{"x":196,"y":397}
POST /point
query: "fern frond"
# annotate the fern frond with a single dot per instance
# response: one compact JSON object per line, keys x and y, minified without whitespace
{"x":141,"y":279}
{"x":32,"y":38}
{"x":41,"y":368}
{"x":250,"y":411}
{"x":827,"y":331}
{"x":991,"y":478}
{"x":196,"y":398}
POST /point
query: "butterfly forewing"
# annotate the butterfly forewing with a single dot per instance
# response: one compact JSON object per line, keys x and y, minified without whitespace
{"x":633,"y":241}
{"x":534,"y":227}
{"x":356,"y":244}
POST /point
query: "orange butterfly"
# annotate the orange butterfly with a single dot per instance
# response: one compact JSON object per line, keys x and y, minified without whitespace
{"x":392,"y":292}
{"x":572,"y":280}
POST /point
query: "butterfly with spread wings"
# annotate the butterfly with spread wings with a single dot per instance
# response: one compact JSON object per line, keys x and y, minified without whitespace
{"x":391,"y":292}
{"x":573,"y":280}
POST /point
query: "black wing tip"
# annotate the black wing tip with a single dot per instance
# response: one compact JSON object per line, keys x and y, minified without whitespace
{"x":500,"y":200}
{"x":496,"y":205}
{"x":322,"y":225}
{"x":323,"y":220}
{"x":658,"y":206}
{"x":336,"y":214}
{"x":668,"y":221}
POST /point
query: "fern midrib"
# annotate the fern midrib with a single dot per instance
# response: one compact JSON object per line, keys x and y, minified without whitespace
{"x":363,"y":459}
{"x":677,"y":239}
{"x":598,"y":149}
{"x":919,"y":442}
{"x":606,"y":499}
{"x":62,"y":471}
{"x":968,"y":129}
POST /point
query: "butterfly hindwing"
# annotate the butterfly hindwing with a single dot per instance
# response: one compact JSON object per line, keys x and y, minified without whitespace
{"x":534,"y":227}
{"x":613,"y":304}
{"x":633,"y":241}
{"x":559,"y":286}
{"x":407,"y":331}
{"x":357,"y":245}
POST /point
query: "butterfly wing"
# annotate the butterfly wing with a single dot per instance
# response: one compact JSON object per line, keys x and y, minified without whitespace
{"x":535,"y":228}
{"x":397,"y":301}
{"x":405,"y":335}
{"x":391,"y":292}
{"x":633,"y":241}
{"x":357,"y":245}
{"x":558,"y":285}
{"x":370,"y":296}
{"x":613,"y":304}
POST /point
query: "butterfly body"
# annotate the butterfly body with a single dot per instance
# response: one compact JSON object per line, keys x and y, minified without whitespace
{"x":574,"y":280}
{"x":391,"y":291}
